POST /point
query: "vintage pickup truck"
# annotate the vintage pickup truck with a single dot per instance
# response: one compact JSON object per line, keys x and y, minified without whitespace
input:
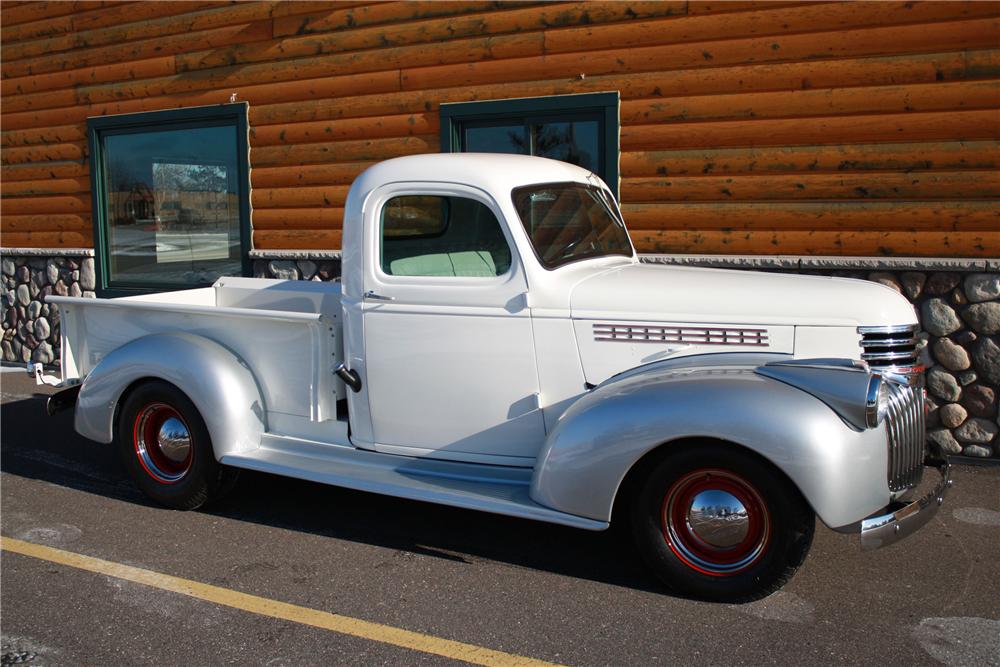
{"x":496,"y":344}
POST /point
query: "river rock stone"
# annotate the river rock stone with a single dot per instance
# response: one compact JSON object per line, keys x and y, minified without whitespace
{"x":52,"y":272}
{"x":87,"y":278}
{"x":23,"y":295}
{"x":977,"y":431}
{"x":283,"y":269}
{"x":986,"y":355}
{"x":307,"y":268}
{"x":958,"y":297}
{"x":942,"y":282}
{"x":34,"y":309}
{"x":8,"y":351}
{"x":981,"y":287}
{"x":74,"y":290}
{"x":260,"y":269}
{"x":913,"y":284}
{"x":979,"y":400}
{"x":939,"y":318}
{"x":932,"y":409}
{"x":983,"y":318}
{"x":886,"y":279}
{"x":8,"y":267}
{"x":23,"y":274}
{"x":967,"y":378}
{"x":951,"y":356}
{"x":952,"y":415}
{"x":329,"y":270}
{"x":61,"y":288}
{"x":976,"y":450}
{"x":25,"y":353}
{"x":943,"y":384}
{"x":42,"y":329}
{"x":943,"y":438}
{"x":964,"y":338}
{"x":43,"y":354}
{"x":89,"y":294}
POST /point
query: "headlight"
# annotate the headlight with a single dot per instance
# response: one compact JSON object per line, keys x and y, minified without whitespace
{"x":877,"y":402}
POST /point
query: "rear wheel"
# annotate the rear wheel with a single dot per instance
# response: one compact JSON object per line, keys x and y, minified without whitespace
{"x":166,"y":448}
{"x":717,"y":523}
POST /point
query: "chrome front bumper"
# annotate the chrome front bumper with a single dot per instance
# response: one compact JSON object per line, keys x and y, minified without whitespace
{"x":905,"y":519}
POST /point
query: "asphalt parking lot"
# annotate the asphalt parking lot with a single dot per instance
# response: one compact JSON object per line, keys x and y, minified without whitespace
{"x":524,"y":589}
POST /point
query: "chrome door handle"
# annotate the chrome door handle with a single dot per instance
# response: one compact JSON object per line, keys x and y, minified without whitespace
{"x":372,"y":296}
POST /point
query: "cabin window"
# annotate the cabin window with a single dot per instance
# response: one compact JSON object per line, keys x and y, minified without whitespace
{"x":170,"y":198}
{"x":435,"y":236}
{"x":579,"y":129}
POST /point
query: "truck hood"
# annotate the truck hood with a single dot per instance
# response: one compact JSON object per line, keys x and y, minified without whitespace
{"x":652,"y":293}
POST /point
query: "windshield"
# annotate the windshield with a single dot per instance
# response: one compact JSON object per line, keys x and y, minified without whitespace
{"x":567,"y":222}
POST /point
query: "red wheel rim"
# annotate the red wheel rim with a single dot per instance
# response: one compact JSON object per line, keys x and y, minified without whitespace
{"x":715,"y":522}
{"x":162,"y":443}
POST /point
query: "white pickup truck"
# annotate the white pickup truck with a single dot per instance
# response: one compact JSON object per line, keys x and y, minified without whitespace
{"x":496,"y":344}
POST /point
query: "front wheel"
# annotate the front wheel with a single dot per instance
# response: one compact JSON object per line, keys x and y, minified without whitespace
{"x":166,"y":448}
{"x":717,"y":523}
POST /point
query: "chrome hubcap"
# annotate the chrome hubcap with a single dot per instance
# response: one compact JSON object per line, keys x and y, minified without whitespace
{"x":715,"y":522}
{"x":162,"y":443}
{"x":718,"y":518}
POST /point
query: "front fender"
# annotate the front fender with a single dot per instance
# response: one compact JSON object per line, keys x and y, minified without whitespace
{"x":216,"y":380}
{"x":840,"y":470}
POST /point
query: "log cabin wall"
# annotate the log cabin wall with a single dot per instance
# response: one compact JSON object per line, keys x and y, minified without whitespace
{"x":782,"y":128}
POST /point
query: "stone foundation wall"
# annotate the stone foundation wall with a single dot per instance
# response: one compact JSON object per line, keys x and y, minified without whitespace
{"x":31,"y":326}
{"x":959,"y":314}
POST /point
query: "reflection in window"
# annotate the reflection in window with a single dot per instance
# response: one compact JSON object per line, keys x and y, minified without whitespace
{"x":171,"y":193}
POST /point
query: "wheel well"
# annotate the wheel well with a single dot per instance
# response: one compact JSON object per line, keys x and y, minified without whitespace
{"x":641,"y":468}
{"x":123,"y":396}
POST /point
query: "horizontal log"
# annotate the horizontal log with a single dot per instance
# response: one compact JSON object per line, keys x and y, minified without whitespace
{"x":51,"y":186}
{"x":298,"y":218}
{"x":982,"y":184}
{"x":866,"y":243}
{"x":309,"y":197}
{"x":727,"y":6}
{"x":126,"y":71}
{"x":189,"y":91}
{"x":316,"y":174}
{"x":641,"y":71}
{"x":37,"y":11}
{"x":81,"y":239}
{"x":355,"y":128}
{"x":137,"y":50}
{"x":65,"y":222}
{"x":60,"y":134}
{"x":779,"y":25}
{"x":44,"y":205}
{"x":431,"y":32}
{"x":824,"y":102}
{"x":818,"y":216}
{"x":20,"y":155}
{"x":904,"y":157}
{"x":38,"y":171}
{"x":318,"y":239}
{"x":192,"y":21}
{"x":98,"y":18}
{"x":343,"y":151}
{"x":47,"y":100}
{"x":936,"y":126}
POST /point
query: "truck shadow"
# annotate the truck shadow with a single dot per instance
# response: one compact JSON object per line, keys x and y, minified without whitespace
{"x":36,"y":446}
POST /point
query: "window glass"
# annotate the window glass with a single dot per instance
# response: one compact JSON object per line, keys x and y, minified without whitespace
{"x":567,"y":222}
{"x":172,"y":212}
{"x":442,"y":236}
{"x":575,"y":142}
{"x":506,"y":138}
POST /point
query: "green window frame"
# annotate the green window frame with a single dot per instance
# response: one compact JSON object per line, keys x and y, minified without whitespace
{"x":101,"y":128}
{"x":600,"y":107}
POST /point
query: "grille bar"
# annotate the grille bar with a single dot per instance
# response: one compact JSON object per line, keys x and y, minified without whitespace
{"x":889,"y":347}
{"x":691,"y":335}
{"x":905,"y":428}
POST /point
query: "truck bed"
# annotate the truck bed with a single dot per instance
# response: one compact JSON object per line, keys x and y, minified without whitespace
{"x":286,"y":331}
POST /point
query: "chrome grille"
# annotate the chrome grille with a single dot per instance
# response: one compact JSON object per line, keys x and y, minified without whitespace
{"x":675,"y":334}
{"x":904,"y":424}
{"x":887,"y":348}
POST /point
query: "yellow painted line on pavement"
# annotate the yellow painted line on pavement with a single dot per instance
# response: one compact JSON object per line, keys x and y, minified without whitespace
{"x":346,"y":625}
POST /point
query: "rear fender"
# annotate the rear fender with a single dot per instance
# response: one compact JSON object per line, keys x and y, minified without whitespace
{"x":216,"y":380}
{"x":839,"y":469}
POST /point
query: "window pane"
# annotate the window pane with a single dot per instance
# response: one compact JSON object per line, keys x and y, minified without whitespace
{"x":567,"y":222}
{"x":574,"y":142}
{"x":172,"y":208}
{"x":463,"y":238}
{"x":496,"y":139}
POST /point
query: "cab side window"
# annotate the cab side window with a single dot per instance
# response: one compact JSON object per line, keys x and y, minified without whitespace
{"x":429,"y":235}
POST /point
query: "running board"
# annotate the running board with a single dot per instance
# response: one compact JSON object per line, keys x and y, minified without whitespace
{"x":491,"y":489}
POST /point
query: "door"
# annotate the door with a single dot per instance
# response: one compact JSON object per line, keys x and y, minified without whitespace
{"x":450,"y":363}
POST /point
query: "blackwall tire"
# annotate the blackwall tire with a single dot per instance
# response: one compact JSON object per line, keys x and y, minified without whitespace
{"x":165,"y":446}
{"x":717,"y":523}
